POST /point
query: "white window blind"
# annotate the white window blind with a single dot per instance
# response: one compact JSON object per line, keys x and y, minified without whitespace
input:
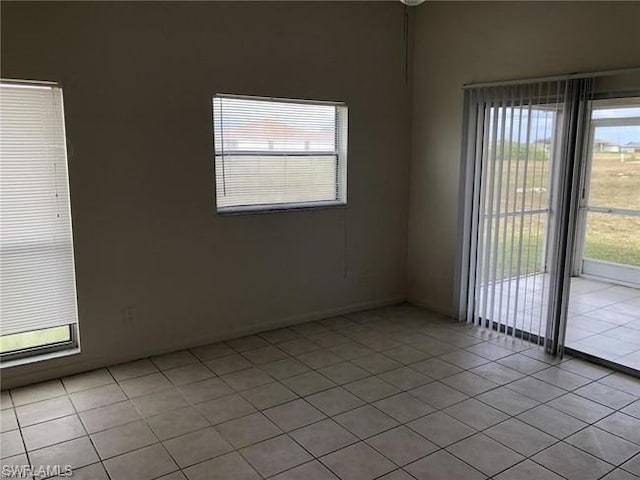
{"x":276,"y":153}
{"x":37,"y":281}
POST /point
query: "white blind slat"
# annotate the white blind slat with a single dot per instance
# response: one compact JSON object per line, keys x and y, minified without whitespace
{"x":275,"y":152}
{"x":510,"y":145}
{"x":37,"y":277}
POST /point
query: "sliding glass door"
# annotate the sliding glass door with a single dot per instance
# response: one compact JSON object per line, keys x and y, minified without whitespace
{"x":519,"y":181}
{"x":609,"y":246}
{"x":550,"y":215}
{"x":514,"y":219}
{"x":604,"y":310}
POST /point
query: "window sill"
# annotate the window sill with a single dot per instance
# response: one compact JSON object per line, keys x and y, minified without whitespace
{"x":16,"y":362}
{"x":278,"y":208}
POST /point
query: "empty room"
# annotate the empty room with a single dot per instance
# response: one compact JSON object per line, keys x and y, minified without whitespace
{"x":320,"y":240}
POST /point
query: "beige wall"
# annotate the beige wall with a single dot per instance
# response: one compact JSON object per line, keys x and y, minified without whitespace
{"x":458,"y":43}
{"x":138,"y":80}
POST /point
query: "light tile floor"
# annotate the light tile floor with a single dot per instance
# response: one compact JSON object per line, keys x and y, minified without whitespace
{"x":603,"y":320}
{"x":394,"y":394}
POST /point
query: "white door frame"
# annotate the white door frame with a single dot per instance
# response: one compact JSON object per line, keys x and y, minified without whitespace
{"x":613,"y":272}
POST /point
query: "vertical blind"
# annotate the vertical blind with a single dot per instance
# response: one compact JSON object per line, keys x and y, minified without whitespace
{"x":274,"y":152}
{"x":37,"y":281}
{"x":518,"y":198}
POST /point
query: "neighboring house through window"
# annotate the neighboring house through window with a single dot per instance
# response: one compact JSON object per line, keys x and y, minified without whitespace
{"x":279,"y":154}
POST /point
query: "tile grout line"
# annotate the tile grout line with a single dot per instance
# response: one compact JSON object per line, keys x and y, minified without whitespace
{"x":377,"y":376}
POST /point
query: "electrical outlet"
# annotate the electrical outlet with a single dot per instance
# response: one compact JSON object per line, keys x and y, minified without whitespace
{"x":128,"y":314}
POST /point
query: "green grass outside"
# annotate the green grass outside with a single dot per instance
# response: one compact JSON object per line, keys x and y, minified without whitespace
{"x":523,"y":240}
{"x":20,"y":341}
{"x":613,"y":238}
{"x":614,"y":183}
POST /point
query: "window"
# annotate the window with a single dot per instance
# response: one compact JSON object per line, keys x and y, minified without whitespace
{"x":279,"y":154}
{"x":37,"y":278}
{"x":610,"y":205}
